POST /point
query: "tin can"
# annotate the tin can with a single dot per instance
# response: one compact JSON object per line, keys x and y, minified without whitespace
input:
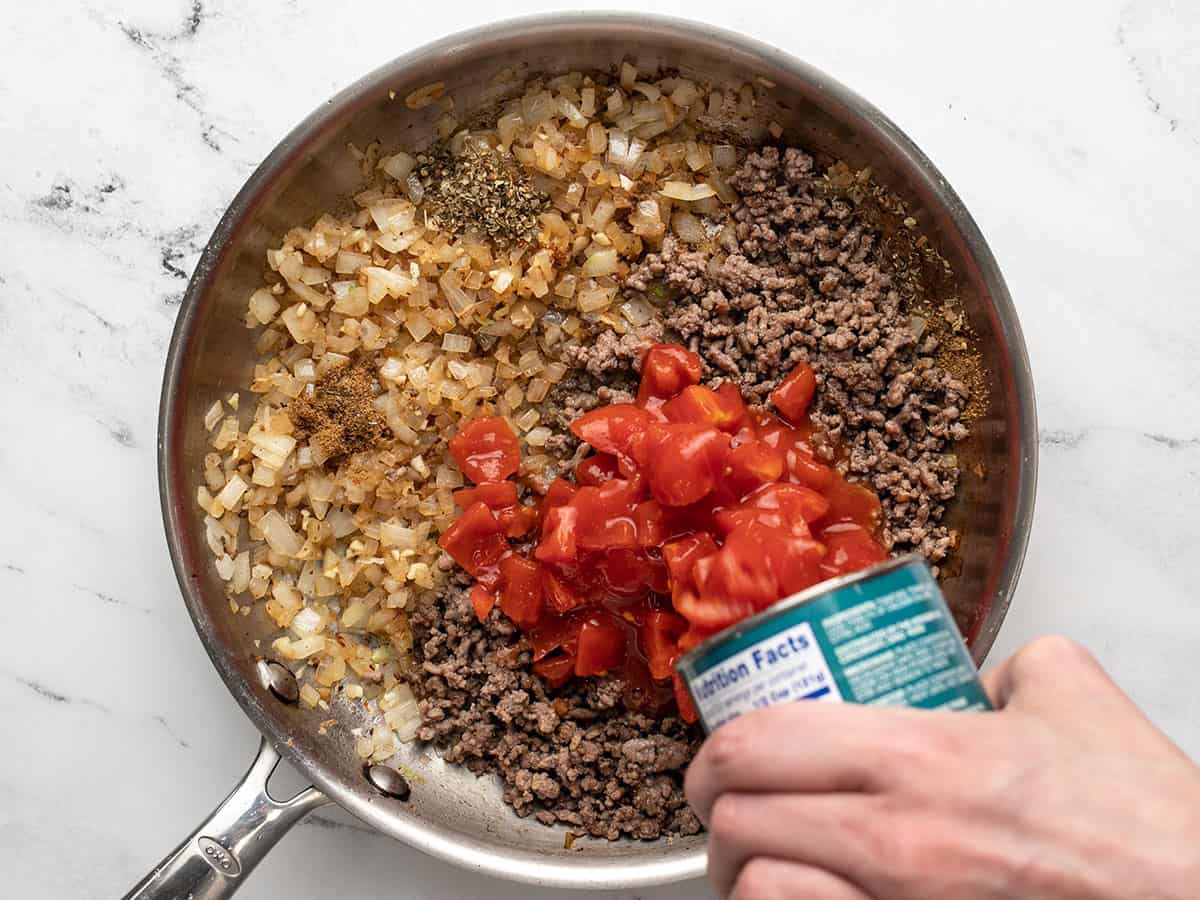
{"x":883,"y":636}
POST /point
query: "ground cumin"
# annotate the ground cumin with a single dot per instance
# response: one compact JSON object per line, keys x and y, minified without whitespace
{"x":338,"y":415}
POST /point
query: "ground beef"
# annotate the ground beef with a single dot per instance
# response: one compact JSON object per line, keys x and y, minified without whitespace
{"x":802,"y":276}
{"x":607,"y":352}
{"x":575,"y":756}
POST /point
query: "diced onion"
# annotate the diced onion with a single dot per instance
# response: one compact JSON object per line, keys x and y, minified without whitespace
{"x":393,"y":534}
{"x":393,"y":215}
{"x":263,"y":306}
{"x":224,"y":565}
{"x":539,"y":436}
{"x":638,"y":312}
{"x":279,"y":535}
{"x":306,"y":647}
{"x":423,"y":96}
{"x":398,"y":165}
{"x":307,"y":621}
{"x":417,"y":324}
{"x":233,"y":491}
{"x":272,"y":449}
{"x":629,"y":74}
{"x":682,"y":190}
{"x":347,"y":263}
{"x":213,"y":416}
{"x":387,"y":283}
{"x":602,"y":262}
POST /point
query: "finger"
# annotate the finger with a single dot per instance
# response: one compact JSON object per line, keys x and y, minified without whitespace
{"x":808,"y":747}
{"x":799,"y":747}
{"x":1046,"y":672}
{"x":1056,"y":678}
{"x":830,"y":832}
{"x":774,"y":879}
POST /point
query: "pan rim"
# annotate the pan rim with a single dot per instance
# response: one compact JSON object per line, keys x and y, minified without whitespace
{"x":516,"y":865}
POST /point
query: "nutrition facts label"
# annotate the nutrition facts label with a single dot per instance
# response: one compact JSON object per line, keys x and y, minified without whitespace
{"x":785,"y":667}
{"x":889,"y":641}
{"x":896,"y":650}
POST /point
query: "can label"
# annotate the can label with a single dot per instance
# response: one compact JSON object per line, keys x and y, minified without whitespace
{"x":884,"y":637}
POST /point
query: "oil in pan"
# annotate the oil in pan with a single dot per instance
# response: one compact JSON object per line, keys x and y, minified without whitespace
{"x":883,"y":636}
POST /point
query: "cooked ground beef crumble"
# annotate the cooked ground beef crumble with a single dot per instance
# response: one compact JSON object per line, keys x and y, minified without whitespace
{"x":574,"y":756}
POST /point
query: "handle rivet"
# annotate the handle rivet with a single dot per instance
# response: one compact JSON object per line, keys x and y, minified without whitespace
{"x":278,"y":679}
{"x":388,"y":782}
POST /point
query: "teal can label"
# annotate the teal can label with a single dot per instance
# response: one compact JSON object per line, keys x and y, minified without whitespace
{"x":882,"y":637}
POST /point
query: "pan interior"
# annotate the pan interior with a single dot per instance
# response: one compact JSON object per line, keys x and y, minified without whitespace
{"x":452,"y":813}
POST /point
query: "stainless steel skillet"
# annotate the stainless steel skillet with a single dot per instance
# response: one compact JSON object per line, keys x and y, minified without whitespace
{"x":449,"y":813}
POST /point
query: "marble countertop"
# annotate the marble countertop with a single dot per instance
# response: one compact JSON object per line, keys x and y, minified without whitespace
{"x":1071,"y":130}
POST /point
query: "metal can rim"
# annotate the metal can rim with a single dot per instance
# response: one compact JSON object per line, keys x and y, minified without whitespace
{"x":685,"y":663}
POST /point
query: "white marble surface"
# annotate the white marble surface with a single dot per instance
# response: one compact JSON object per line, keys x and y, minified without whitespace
{"x":1072,"y":130}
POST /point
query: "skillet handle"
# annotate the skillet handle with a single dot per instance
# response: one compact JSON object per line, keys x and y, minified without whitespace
{"x":214,"y":861}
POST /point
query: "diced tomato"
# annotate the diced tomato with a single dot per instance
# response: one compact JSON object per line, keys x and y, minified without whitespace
{"x":605,"y":515}
{"x":596,"y":469}
{"x":482,"y":600}
{"x":682,"y":463}
{"x":486,"y":449}
{"x":659,"y":635}
{"x":795,"y":393}
{"x":755,"y":567}
{"x":612,"y":428}
{"x":554,"y":632}
{"x":652,"y":523}
{"x":772,"y":508}
{"x":558,"y":535}
{"x":753,"y":463}
{"x":681,"y":555}
{"x":629,"y":573}
{"x":559,"y":493}
{"x":698,"y":405}
{"x":849,"y":548}
{"x":517,"y":521}
{"x":475,"y":541}
{"x":795,"y":561}
{"x":707,"y":614}
{"x":805,"y":470}
{"x":737,"y":577}
{"x":521,"y":594}
{"x":496,"y":494}
{"x":683,"y":699}
{"x":852,"y":503}
{"x":794,"y":503}
{"x":555,"y":670}
{"x":666,"y":370}
{"x":734,"y":415}
{"x":601,"y":646}
{"x":559,"y":593}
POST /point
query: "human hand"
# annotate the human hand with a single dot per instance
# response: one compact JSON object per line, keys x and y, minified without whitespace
{"x":1066,"y":792}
